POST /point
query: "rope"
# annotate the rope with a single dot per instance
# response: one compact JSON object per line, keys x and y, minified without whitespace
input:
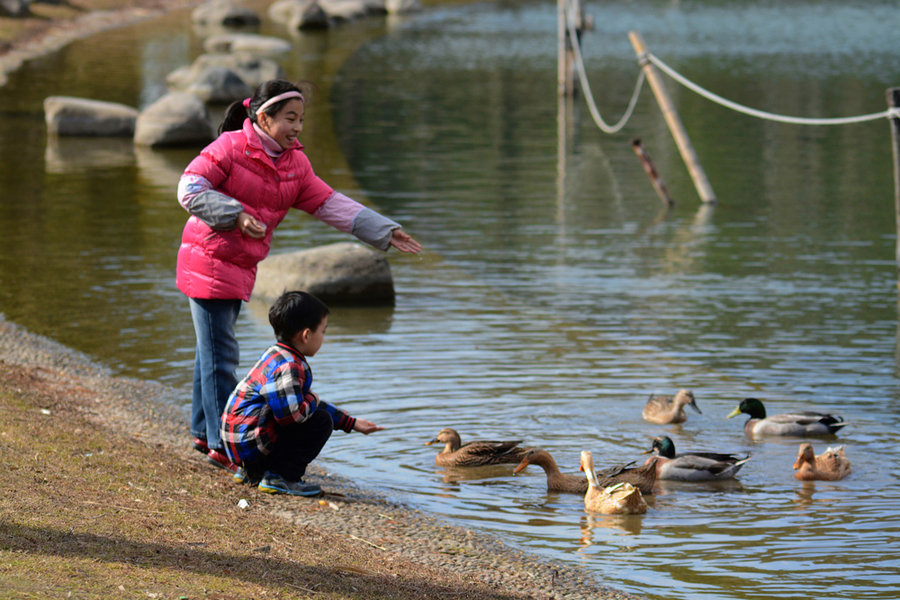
{"x":586,"y":86}
{"x":891,"y":113}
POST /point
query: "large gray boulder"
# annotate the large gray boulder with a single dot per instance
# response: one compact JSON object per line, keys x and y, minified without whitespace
{"x":176,"y":119}
{"x":219,"y":85}
{"x":343,"y":273}
{"x":70,"y":116}
{"x":224,"y":13}
{"x":251,"y":68}
{"x":14,"y":8}
{"x":249,"y":43}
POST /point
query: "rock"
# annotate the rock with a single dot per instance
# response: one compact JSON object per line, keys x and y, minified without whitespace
{"x":342,"y":273}
{"x":176,"y":119}
{"x":225,"y":13}
{"x":14,"y":8}
{"x":219,"y":85}
{"x":254,"y":70}
{"x":249,"y":43}
{"x":310,"y":16}
{"x":66,"y":115}
{"x":281,"y":11}
{"x":349,"y":10}
{"x":399,"y":7}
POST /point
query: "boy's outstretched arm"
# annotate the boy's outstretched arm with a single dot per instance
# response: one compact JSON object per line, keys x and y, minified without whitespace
{"x":366,"y":427}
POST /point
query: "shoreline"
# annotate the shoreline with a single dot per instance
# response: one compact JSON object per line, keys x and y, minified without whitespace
{"x":388,"y":527}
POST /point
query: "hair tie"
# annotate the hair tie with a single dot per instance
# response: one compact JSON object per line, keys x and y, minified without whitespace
{"x":278,"y":98}
{"x":246,"y":102}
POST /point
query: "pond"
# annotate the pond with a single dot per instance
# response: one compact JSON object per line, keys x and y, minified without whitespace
{"x":555,"y":292}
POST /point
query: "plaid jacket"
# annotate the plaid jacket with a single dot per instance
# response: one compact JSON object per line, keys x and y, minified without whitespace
{"x":275,"y":393}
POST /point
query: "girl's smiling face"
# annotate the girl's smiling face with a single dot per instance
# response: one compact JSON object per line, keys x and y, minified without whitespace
{"x":287,"y":123}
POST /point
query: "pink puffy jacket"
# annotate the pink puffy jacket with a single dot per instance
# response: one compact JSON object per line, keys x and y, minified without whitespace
{"x":222,"y":264}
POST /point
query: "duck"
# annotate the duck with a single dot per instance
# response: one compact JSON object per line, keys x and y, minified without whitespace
{"x":476,"y":453}
{"x":642,"y":477}
{"x":618,"y":499}
{"x":665,"y":410}
{"x":693,"y":466}
{"x":831,"y":465}
{"x":801,"y":423}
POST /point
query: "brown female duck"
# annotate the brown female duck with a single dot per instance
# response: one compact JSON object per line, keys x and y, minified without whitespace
{"x":831,"y":465}
{"x":618,"y":499}
{"x":665,"y":410}
{"x":642,"y":477}
{"x":476,"y":453}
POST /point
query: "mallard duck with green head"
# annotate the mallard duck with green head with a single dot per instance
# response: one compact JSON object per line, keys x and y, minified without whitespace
{"x":800,"y":423}
{"x":476,"y":453}
{"x":693,"y":466}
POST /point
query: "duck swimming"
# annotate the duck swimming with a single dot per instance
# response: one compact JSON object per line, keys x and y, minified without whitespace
{"x":618,"y":499}
{"x":831,"y":465}
{"x":642,"y":477}
{"x":693,"y":466}
{"x":476,"y":453}
{"x":665,"y":410}
{"x":801,"y":423}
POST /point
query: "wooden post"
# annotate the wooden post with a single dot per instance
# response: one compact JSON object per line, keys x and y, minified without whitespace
{"x":893,"y":100}
{"x":652,"y":173}
{"x":704,"y":189}
{"x":562,"y":36}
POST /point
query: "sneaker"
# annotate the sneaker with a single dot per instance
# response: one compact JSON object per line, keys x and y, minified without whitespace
{"x":200,"y":445}
{"x":276,"y":484}
{"x":243,"y":476}
{"x":219,"y":459}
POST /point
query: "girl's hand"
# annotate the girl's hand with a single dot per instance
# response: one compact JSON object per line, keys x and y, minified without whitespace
{"x":404,"y":242}
{"x":250,"y":227}
{"x":366,"y":427}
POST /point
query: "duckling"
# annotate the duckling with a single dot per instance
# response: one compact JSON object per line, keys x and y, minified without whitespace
{"x":642,"y":477}
{"x":831,"y":465}
{"x":664,"y":410}
{"x":693,"y":466}
{"x":618,"y":499}
{"x":476,"y":453}
{"x":801,"y":423}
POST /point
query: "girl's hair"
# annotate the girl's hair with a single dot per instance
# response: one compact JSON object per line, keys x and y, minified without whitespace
{"x":293,"y":312}
{"x":237,"y":111}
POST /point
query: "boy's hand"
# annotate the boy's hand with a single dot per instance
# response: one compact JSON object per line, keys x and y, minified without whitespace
{"x":366,"y":427}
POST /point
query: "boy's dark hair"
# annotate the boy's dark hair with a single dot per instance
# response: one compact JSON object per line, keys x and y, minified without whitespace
{"x":293,"y":312}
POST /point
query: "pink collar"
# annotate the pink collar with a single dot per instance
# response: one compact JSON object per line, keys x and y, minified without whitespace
{"x":271,"y":147}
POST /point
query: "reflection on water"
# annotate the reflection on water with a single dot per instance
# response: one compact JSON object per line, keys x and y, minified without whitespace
{"x":554,"y":294}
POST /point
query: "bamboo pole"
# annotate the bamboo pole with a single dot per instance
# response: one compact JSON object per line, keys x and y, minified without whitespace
{"x":652,"y":173}
{"x":562,"y":34}
{"x":704,"y":189}
{"x":893,"y":98}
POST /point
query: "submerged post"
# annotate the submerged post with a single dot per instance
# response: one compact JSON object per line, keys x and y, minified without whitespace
{"x":893,"y":98}
{"x":652,"y":173}
{"x":704,"y":189}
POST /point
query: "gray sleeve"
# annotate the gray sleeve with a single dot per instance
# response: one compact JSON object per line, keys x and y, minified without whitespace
{"x":215,"y":209}
{"x":373,"y":228}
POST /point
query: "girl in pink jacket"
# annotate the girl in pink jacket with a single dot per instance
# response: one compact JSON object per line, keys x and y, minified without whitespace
{"x":238,"y":190}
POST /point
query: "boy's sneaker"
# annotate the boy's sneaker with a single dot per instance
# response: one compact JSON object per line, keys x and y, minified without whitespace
{"x":219,"y":459}
{"x":276,"y":484}
{"x":200,"y":445}
{"x":243,"y":476}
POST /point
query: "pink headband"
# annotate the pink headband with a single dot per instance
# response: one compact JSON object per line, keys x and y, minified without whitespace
{"x":278,"y":98}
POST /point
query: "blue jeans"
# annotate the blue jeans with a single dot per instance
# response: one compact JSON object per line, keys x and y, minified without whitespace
{"x":215,"y":362}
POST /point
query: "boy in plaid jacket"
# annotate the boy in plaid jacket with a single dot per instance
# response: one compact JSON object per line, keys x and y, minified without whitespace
{"x":274,"y":425}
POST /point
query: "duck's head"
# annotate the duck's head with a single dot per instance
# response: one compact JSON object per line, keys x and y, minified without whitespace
{"x":663,"y":445}
{"x":749,"y":406}
{"x":805,"y":454}
{"x":686,"y":397}
{"x":587,"y":465}
{"x":534,"y":456}
{"x":446,"y":435}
